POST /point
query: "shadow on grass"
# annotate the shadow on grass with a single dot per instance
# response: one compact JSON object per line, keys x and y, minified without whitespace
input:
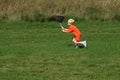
{"x":72,"y":45}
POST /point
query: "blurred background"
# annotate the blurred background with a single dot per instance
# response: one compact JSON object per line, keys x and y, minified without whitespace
{"x":46,"y":10}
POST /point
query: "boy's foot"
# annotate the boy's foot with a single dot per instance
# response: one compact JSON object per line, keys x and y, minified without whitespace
{"x":77,"y":47}
{"x":85,"y":44}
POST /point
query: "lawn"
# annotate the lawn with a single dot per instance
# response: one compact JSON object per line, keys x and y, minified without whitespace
{"x":40,"y":51}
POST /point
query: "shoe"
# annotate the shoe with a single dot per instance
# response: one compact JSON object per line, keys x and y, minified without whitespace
{"x":85,"y":44}
{"x":77,"y":47}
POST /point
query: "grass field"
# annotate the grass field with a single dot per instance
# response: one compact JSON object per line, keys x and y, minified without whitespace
{"x":40,"y":51}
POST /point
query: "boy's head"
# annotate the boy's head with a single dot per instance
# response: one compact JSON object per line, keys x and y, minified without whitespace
{"x":71,"y":21}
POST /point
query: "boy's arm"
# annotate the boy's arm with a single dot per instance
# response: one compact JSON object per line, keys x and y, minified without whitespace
{"x":68,"y":30}
{"x":64,"y":30}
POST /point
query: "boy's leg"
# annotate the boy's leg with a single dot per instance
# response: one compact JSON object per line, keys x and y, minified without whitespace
{"x":79,"y":42}
{"x":75,"y":42}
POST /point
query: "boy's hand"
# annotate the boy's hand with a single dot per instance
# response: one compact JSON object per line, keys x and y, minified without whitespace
{"x":63,"y":30}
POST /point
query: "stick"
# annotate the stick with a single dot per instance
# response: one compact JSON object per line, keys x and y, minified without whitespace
{"x":61,"y":26}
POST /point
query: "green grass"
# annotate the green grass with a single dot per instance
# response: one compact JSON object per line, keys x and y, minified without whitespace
{"x":40,"y":51}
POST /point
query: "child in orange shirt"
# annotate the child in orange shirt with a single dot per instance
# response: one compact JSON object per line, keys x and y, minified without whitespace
{"x":77,"y":34}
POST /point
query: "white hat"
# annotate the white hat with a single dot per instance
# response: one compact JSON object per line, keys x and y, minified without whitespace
{"x":71,"y":21}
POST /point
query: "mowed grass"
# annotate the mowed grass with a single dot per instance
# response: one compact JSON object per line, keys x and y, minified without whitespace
{"x":40,"y":51}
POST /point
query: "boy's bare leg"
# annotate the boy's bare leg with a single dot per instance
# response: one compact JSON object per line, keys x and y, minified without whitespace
{"x":80,"y":42}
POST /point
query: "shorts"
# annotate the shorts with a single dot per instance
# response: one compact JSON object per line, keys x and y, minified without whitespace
{"x":77,"y":37}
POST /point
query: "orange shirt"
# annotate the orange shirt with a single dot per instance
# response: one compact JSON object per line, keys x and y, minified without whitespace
{"x":72,"y":28}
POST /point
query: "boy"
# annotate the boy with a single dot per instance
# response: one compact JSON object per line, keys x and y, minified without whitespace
{"x":77,"y":34}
